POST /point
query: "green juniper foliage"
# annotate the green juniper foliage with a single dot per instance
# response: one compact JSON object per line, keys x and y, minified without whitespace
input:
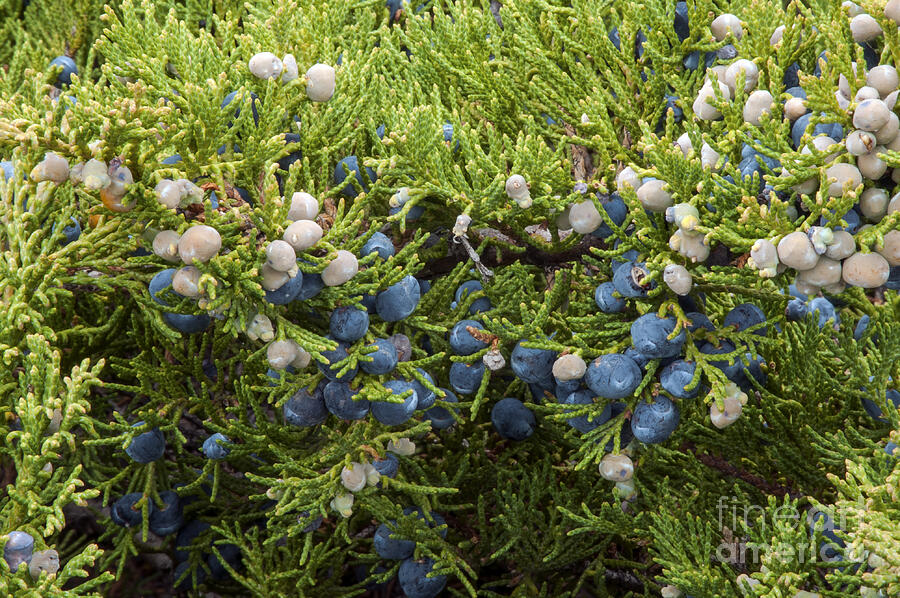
{"x":782,"y":419}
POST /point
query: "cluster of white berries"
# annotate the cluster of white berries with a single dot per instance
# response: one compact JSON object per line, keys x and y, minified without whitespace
{"x":302,"y":234}
{"x":95,"y":175}
{"x":826,"y":259}
{"x":356,"y":476}
{"x":197,"y":245}
{"x":320,"y":78}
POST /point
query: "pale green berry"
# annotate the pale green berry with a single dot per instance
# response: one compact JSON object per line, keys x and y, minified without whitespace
{"x":842,"y":101}
{"x":265,"y":65}
{"x":859,"y":143}
{"x":76,"y":174}
{"x":627,"y":177}
{"x":852,"y":8}
{"x":569,"y":367}
{"x":751,"y":74}
{"x":821,"y":237}
{"x":872,"y":166}
{"x":709,"y":157}
{"x":892,"y":11}
{"x":199,"y":244}
{"x":403,"y":447}
{"x":399,"y":198}
{"x":842,"y":245}
{"x":728,"y":414}
{"x":281,"y":354}
{"x":373,"y":477}
{"x":626,"y":490}
{"x":844,"y":176}
{"x":260,"y":328}
{"x":871,"y":115}
{"x":517,"y":190}
{"x":303,"y":358}
{"x":777,"y":36}
{"x":806,"y":288}
{"x":341,"y":269}
{"x":701,"y":106}
{"x":890,"y":100}
{"x":190,"y":193}
{"x":320,"y":82}
{"x":584,"y":217}
{"x":866,"y":270}
{"x":653,"y":196}
{"x":794,"y":108}
{"x":353,"y":477}
{"x":273,"y":279}
{"x":303,"y":207}
{"x":795,"y":250}
{"x":826,"y":272}
{"x":764,"y":257}
{"x":689,"y":244}
{"x":758,"y":103}
{"x":165,"y":245}
{"x":461,"y":226}
{"x":186,"y":281}
{"x":280,"y":256}
{"x":864,"y":28}
{"x":44,"y":561}
{"x":290,"y":71}
{"x":890,"y":249}
{"x":866,"y":93}
{"x":670,"y":591}
{"x":168,"y":193}
{"x":678,"y":279}
{"x":95,"y":175}
{"x":684,"y":144}
{"x":888,"y":132}
{"x":725,"y":23}
{"x":683,"y":215}
{"x":303,"y":234}
{"x":873,"y":203}
{"x":343,"y":504}
{"x":53,"y":168}
{"x":616,"y":468}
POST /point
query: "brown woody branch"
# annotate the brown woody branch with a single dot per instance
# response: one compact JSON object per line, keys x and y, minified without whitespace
{"x":723,"y":466}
